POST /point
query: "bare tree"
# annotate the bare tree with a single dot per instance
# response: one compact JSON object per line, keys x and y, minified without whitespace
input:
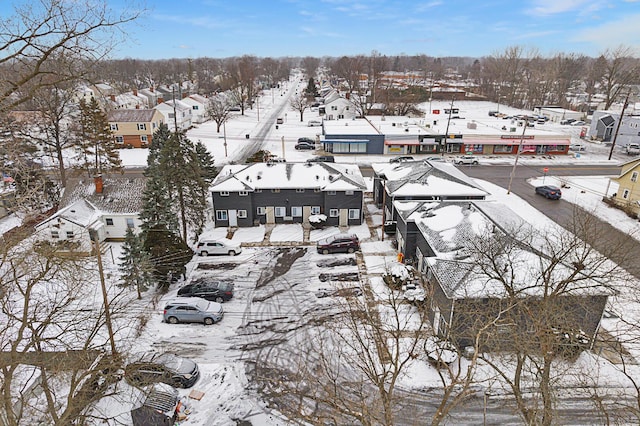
{"x":300,"y":104}
{"x":219,"y":110}
{"x":621,"y":70}
{"x":52,"y":41}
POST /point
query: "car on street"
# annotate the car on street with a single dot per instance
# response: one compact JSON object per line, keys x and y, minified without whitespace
{"x":577,"y":147}
{"x":401,"y":159}
{"x":466,"y":159}
{"x":214,"y":291}
{"x":549,"y":191}
{"x":339,"y":243}
{"x":313,"y":123}
{"x":304,"y":145}
{"x":162,"y":367}
{"x":217,"y":247}
{"x":192,"y":309}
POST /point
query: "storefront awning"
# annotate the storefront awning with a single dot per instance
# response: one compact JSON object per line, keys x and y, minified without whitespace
{"x":332,"y":141}
{"x":498,"y":141}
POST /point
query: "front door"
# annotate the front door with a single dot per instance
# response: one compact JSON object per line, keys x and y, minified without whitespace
{"x":344,"y":217}
{"x":233,"y":218}
{"x":271,"y":214}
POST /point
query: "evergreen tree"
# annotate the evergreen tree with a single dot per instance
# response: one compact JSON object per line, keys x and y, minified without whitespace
{"x":311,"y":89}
{"x":135,"y":265}
{"x":156,"y":204}
{"x":158,"y":140}
{"x":96,"y":140}
{"x":168,"y":253}
{"x":206,"y":162}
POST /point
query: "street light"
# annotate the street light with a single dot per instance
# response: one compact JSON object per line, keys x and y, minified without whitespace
{"x":515,"y":163}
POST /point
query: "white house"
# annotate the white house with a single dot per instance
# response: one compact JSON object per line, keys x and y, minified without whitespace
{"x":106,"y":206}
{"x":198,"y":106}
{"x":178,"y":109}
{"x":336,"y":108}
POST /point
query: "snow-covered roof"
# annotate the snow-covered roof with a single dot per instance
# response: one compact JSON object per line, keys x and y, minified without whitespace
{"x":424,"y":178}
{"x":131,"y":115}
{"x":449,"y":226}
{"x":325,"y":176}
{"x":119,"y":194}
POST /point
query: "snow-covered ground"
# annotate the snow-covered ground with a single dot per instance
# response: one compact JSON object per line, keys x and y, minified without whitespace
{"x":218,"y":349}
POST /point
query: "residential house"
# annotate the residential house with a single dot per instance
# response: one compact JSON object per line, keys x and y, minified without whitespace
{"x":175,"y":113}
{"x":338,"y":108}
{"x":247,"y":195}
{"x":628,"y":194}
{"x":106,"y":207}
{"x":423,"y":181}
{"x":128,"y":100}
{"x":604,"y":125}
{"x":466,"y":300}
{"x":134,"y":128}
{"x":199,"y":106}
{"x":151,"y":95}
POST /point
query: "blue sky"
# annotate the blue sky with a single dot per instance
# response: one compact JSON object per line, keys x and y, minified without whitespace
{"x":223,"y":28}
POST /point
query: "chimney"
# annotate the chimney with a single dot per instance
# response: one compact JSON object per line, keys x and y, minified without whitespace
{"x":135,"y":92}
{"x":151,"y":89}
{"x":97,"y":179}
{"x":347,"y":95}
{"x":113,"y":98}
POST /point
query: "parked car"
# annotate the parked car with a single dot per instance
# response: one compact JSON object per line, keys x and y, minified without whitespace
{"x":305,"y":145}
{"x":339,"y":292}
{"x":567,"y":121}
{"x":440,"y":352}
{"x":158,"y":367}
{"x":549,"y":191}
{"x":276,"y":160}
{"x":192,"y":309}
{"x":401,"y":159}
{"x":578,"y":123}
{"x":339,"y":243}
{"x":322,"y":159}
{"x":413,"y":292}
{"x":307,"y":140}
{"x":214,"y":291}
{"x":466,"y":159}
{"x":632,"y":149}
{"x":159,"y":406}
{"x":438,"y":158}
{"x":313,"y":123}
{"x":221,"y":246}
{"x":577,"y":147}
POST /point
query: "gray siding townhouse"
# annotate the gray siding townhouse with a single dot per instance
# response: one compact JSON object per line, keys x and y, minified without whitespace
{"x":260,"y":193}
{"x":467,"y":302}
{"x":422,"y":181}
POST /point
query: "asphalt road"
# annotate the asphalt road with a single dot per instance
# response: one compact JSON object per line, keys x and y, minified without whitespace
{"x":604,"y":238}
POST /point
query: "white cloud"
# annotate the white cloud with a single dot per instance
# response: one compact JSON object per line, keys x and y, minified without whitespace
{"x":613,"y":33}
{"x":552,"y":7}
{"x":427,"y":6}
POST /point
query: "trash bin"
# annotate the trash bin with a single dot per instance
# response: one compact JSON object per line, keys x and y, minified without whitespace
{"x":276,"y":127}
{"x":246,"y":136}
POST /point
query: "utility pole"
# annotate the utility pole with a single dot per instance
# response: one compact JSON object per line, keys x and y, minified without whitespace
{"x":224,"y":129}
{"x":93,"y":235}
{"x":446,"y":132}
{"x":175,"y":115}
{"x":515,"y":163}
{"x":615,"y":136}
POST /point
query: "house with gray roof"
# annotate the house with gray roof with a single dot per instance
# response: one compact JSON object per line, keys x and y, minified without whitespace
{"x":106,"y":206}
{"x":261,"y":193}
{"x":470,"y":301}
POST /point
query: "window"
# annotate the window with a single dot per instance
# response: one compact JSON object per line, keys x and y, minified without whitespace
{"x":625,"y":194}
{"x":130,"y":223}
{"x":257,"y":191}
{"x":120,"y":139}
{"x":142,"y":126}
{"x":275,"y":191}
{"x":113,"y":126}
{"x":171,"y":115}
{"x":261,"y":211}
{"x":331,"y":192}
{"x":242,"y":214}
{"x":224,"y":193}
{"x":144,"y":138}
{"x":109,"y":221}
{"x":154,"y":125}
{"x":243,"y":193}
{"x":296,"y":211}
{"x":70,"y":234}
{"x":634,"y":177}
{"x":196,"y":107}
{"x":55,"y":234}
{"x":221,"y":215}
{"x":348,"y":192}
{"x":317,"y":190}
{"x":334,"y":108}
{"x":281,"y":211}
{"x":354,"y":213}
{"x":334,"y":212}
{"x":300,"y":190}
{"x":315,"y":209}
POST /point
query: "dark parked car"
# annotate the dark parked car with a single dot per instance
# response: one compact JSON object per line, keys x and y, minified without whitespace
{"x":305,"y":145}
{"x":214,"y":291}
{"x":322,"y":159}
{"x":401,"y":159}
{"x":307,"y":140}
{"x":549,"y":191}
{"x":339,"y":243}
{"x":155,"y":367}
